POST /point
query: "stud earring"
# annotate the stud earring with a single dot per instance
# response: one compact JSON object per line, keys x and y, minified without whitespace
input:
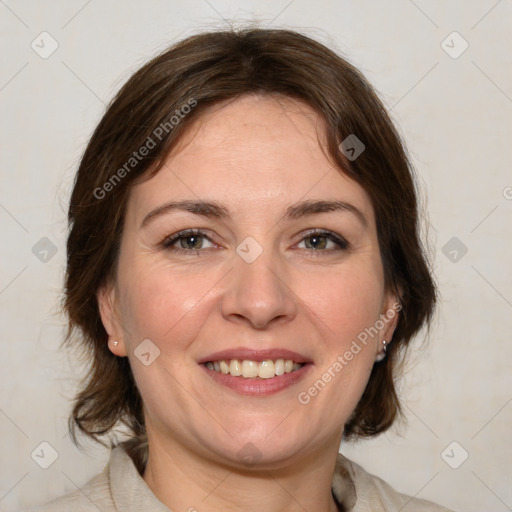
{"x":382,"y":354}
{"x":115,"y":343}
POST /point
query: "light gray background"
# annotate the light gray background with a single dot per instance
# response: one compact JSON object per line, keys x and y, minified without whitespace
{"x":455,"y":114}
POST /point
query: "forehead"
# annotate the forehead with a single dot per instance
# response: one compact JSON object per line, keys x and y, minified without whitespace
{"x":254,"y":153}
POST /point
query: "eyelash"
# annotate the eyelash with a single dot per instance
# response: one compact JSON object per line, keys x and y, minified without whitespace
{"x":169,"y":241}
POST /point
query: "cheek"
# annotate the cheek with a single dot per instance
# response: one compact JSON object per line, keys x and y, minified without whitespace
{"x":345,"y":301}
{"x":344,"y":305}
{"x":158,"y":303}
{"x":169,"y":308}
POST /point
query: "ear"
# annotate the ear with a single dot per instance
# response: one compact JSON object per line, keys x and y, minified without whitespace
{"x":108,"y":308}
{"x":389,"y":316}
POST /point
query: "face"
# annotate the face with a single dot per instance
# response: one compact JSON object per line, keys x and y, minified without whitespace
{"x":267,"y":273}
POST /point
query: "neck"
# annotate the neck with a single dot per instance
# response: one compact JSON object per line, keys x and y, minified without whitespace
{"x":184,"y":480}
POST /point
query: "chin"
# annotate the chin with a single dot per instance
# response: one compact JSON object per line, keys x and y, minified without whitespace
{"x":262,"y":453}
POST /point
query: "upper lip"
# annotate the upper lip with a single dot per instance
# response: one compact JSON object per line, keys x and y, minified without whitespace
{"x":255,"y":355}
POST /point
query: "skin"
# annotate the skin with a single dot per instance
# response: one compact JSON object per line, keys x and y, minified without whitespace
{"x":256,"y":156}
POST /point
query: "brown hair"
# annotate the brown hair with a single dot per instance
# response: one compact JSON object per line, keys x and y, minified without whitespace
{"x":199,"y":72}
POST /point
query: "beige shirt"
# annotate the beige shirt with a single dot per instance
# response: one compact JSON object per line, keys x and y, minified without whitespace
{"x":120,"y":488}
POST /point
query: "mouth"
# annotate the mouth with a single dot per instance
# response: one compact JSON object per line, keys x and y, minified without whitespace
{"x":256,"y":372}
{"x":249,"y":369}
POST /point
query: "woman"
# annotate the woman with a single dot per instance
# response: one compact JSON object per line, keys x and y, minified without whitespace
{"x":245,"y":271}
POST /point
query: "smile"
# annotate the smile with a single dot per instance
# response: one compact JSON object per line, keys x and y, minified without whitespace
{"x":249,"y":369}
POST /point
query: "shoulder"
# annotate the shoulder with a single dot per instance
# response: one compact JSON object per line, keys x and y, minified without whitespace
{"x":119,"y":487}
{"x":93,"y":496}
{"x":373,"y":493}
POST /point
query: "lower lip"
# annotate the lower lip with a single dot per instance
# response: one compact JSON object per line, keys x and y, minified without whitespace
{"x":256,"y":386}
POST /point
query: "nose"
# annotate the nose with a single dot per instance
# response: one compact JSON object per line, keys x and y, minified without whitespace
{"x":259,"y":293}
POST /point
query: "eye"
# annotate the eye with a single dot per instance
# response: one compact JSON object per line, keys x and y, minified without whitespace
{"x":190,"y":241}
{"x":323,"y":241}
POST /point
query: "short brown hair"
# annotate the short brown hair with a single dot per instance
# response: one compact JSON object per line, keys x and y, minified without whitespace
{"x":202,"y":71}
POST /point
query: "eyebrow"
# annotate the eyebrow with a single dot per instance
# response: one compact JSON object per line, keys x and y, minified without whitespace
{"x":215,"y":210}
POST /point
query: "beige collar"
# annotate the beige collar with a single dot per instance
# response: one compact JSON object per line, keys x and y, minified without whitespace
{"x":343,"y":487}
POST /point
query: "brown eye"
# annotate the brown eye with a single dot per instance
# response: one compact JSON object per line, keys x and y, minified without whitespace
{"x":324,"y":241}
{"x":186,"y":241}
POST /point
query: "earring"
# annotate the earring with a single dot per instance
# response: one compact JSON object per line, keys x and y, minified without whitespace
{"x":382,"y":354}
{"x":115,"y":343}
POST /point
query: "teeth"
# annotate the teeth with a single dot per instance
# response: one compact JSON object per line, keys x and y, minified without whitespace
{"x":235,"y":368}
{"x":224,"y":368}
{"x":266,"y":369}
{"x":250,"y":369}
